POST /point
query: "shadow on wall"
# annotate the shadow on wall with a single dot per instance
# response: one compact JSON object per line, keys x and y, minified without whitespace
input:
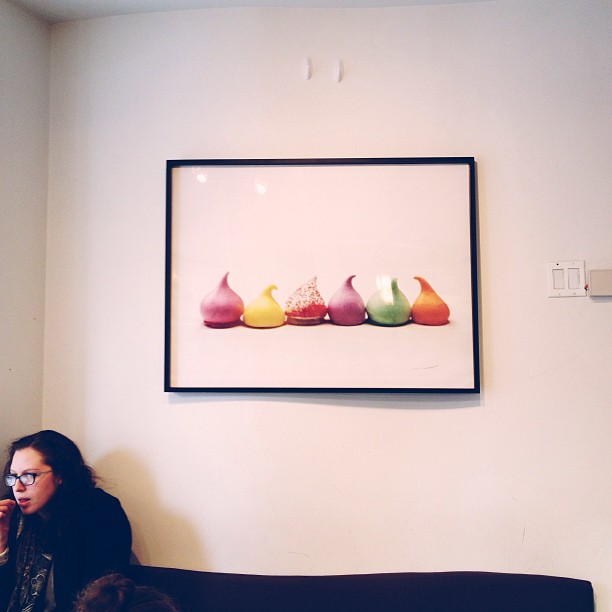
{"x":385,"y":401}
{"x":170,"y":531}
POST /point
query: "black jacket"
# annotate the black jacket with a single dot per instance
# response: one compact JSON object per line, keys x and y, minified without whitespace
{"x":96,"y":540}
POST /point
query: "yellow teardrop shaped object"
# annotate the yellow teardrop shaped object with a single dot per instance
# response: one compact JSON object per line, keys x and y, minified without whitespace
{"x":264,"y":311}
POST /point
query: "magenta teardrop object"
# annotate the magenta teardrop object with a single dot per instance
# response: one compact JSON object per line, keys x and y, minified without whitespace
{"x":346,"y":306}
{"x":222,"y":307}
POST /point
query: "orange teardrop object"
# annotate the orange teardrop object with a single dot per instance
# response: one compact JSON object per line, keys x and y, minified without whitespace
{"x":429,"y":308}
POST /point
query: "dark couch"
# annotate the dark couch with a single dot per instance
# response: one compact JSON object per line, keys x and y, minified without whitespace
{"x":406,"y":592}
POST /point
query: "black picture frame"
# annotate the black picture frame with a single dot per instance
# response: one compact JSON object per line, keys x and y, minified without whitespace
{"x":247,"y":224}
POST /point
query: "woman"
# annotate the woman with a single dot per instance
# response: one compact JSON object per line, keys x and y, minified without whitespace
{"x":58,"y":531}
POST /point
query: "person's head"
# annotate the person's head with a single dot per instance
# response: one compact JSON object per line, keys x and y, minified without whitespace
{"x":116,"y":593}
{"x":42,"y":464}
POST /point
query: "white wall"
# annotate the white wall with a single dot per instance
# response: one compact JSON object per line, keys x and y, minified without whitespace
{"x":24,"y":129}
{"x":516,"y":479}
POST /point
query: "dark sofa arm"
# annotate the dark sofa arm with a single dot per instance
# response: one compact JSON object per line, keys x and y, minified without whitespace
{"x":393,"y":592}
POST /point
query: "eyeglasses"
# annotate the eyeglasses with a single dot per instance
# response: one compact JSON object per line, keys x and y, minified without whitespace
{"x":27,"y":479}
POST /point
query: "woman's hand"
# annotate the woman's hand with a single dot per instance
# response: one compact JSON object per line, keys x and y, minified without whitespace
{"x":6,"y":509}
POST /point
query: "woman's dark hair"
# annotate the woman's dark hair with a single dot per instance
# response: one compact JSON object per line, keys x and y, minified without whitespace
{"x":62,"y":455}
{"x":116,"y":593}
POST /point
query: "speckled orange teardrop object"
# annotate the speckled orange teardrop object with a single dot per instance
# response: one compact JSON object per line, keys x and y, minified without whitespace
{"x":305,"y":305}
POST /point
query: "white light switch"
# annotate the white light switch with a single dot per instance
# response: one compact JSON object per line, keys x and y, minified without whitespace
{"x":558,"y":278}
{"x":566,"y":279}
{"x":573,"y":278}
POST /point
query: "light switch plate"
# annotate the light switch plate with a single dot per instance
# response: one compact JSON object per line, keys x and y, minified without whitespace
{"x":566,"y":279}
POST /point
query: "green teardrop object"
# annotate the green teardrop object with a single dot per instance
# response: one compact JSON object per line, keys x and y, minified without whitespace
{"x":388,"y":306}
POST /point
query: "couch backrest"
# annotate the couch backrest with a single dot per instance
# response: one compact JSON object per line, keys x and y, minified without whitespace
{"x":392,"y":592}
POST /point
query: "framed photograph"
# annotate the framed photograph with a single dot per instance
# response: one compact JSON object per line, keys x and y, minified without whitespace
{"x":320,"y":275}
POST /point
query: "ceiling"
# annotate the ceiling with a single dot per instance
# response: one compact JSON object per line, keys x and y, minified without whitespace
{"x":55,"y":11}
